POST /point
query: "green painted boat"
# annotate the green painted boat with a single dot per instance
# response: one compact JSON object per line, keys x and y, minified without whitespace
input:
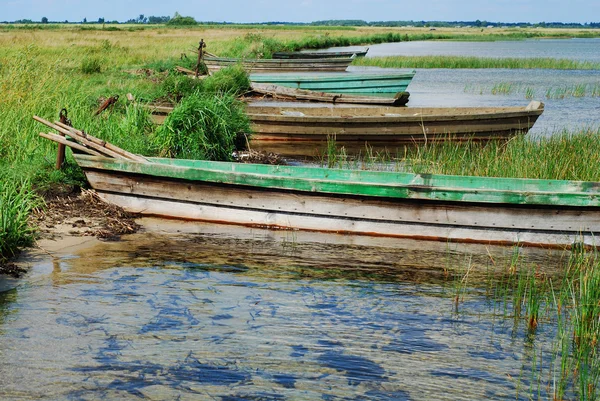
{"x":502,"y":211}
{"x":386,"y":84}
{"x":284,"y":65}
{"x":374,"y":203}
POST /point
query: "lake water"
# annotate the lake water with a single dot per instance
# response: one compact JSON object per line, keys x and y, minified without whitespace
{"x":221,"y":313}
{"x":572,"y":49}
{"x":566,"y":107}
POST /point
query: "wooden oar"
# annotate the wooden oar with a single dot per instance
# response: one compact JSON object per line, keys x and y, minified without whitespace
{"x":107,"y":145}
{"x":102,"y":147}
{"x":61,"y":140}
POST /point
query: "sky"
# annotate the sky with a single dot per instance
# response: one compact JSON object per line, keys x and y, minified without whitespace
{"x":307,"y":10}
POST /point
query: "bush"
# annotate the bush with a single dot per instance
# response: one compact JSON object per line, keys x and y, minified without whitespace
{"x":203,"y":126}
{"x":181,"y":20}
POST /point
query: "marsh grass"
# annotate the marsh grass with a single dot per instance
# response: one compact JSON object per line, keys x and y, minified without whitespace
{"x":91,"y":66}
{"x":563,"y":155}
{"x":174,"y":86}
{"x":554,"y":92}
{"x":17,"y":200}
{"x":504,"y":88}
{"x":453,"y":62}
{"x":203,"y":127}
{"x":565,"y":300}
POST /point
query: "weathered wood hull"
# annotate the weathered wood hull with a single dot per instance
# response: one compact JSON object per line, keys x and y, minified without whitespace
{"x":426,"y":207}
{"x":387,"y":125}
{"x":318,"y":55}
{"x":269,"y":65}
{"x":305,"y":131}
{"x":387,"y":84}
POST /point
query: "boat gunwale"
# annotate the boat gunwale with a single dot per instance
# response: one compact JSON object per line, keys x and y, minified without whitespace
{"x":332,"y":77}
{"x":516,"y":112}
{"x":336,"y":60}
{"x":418,"y":186}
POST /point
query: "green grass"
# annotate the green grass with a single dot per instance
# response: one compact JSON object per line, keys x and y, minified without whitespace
{"x":553,"y":92}
{"x":205,"y":127}
{"x":564,"y":155}
{"x":560,"y":300}
{"x":475,"y":62}
{"x":17,"y":200}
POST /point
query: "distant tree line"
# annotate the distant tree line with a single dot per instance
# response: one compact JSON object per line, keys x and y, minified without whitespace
{"x":453,"y":24}
{"x":178,"y":19}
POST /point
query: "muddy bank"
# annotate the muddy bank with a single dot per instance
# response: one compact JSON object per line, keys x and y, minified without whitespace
{"x":69,"y":216}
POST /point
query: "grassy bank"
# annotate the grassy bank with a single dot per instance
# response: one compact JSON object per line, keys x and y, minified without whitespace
{"x":42,"y":72}
{"x":475,"y":62}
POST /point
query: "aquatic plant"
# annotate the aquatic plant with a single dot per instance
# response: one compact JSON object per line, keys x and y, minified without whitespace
{"x":504,"y":88}
{"x":475,"y":62}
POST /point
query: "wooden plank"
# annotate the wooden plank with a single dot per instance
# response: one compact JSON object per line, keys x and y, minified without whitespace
{"x":65,"y":142}
{"x":83,"y":141}
{"x":112,"y":149}
{"x":261,"y":219}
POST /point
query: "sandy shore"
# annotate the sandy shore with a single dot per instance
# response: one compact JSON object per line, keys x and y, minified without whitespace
{"x":69,"y":221}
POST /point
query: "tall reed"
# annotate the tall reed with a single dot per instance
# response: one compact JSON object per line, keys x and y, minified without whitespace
{"x":475,"y":62}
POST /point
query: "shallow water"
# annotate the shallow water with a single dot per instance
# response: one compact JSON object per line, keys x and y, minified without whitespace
{"x":473,"y":88}
{"x":232,"y":314}
{"x":571,"y":49}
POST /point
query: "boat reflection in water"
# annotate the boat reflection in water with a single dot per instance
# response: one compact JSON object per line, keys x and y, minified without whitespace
{"x":201,"y":310}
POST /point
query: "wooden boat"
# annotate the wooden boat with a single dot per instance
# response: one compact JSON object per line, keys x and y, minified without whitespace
{"x":269,"y":65}
{"x":312,"y":55}
{"x":381,"y":84}
{"x":388,"y":125}
{"x":282,"y":92}
{"x":502,"y":211}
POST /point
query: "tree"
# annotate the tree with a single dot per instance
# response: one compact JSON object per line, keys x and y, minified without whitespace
{"x":101,"y":20}
{"x":44,"y":20}
{"x":178,"y":19}
{"x":158,"y":20}
{"x":85,"y":20}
